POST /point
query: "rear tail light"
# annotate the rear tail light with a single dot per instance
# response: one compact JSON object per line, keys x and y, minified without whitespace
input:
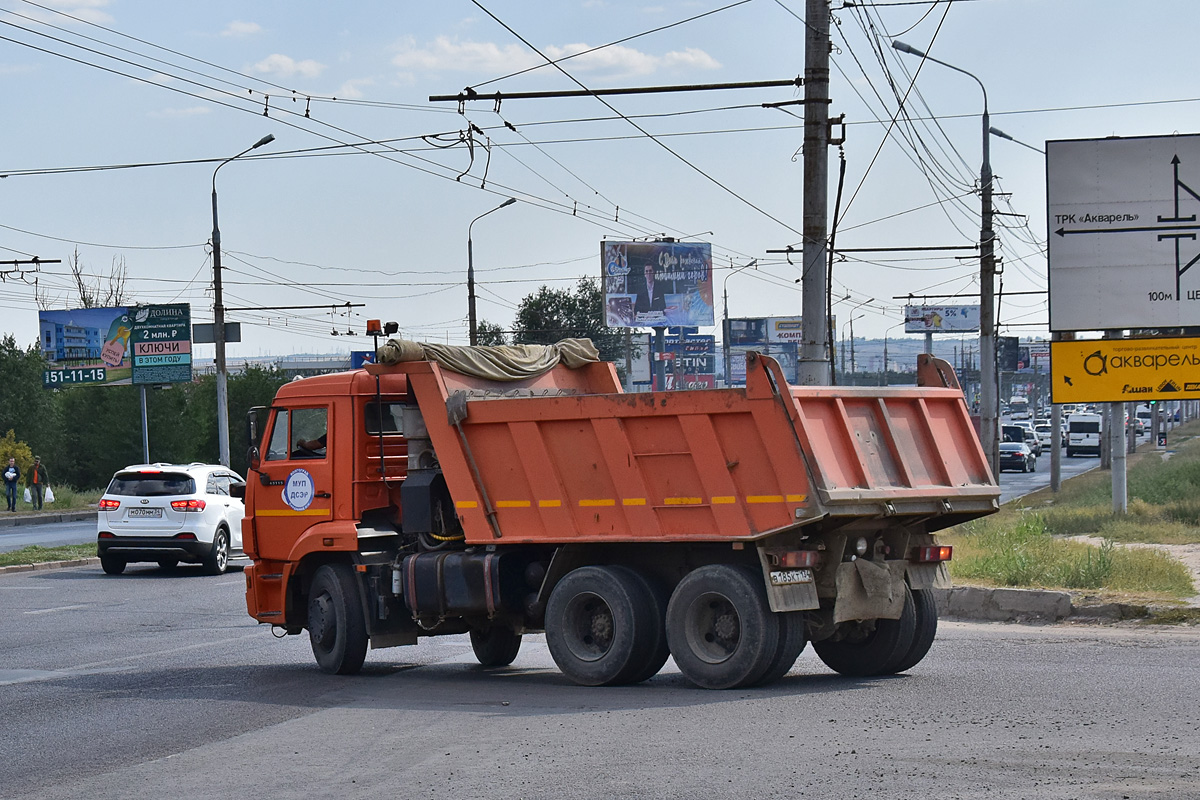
{"x":189,"y":536}
{"x":109,"y":505}
{"x":932,"y":554}
{"x":794,"y":559}
{"x":105,"y":535}
{"x":187,"y":505}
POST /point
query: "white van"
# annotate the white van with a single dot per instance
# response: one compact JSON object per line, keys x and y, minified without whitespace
{"x":1083,"y":434}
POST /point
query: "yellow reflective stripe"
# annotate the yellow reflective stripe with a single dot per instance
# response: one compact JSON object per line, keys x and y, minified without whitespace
{"x":764,"y":498}
{"x":466,"y":504}
{"x":512,"y":504}
{"x":597,"y":502}
{"x":634,"y":501}
{"x":288,"y":512}
{"x":724,"y":500}
{"x":797,"y":498}
{"x":682,"y":501}
{"x":549,"y":503}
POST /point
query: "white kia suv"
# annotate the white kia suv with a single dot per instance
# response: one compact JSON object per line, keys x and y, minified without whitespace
{"x":171,"y":513}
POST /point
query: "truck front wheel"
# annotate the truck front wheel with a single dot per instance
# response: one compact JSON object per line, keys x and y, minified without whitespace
{"x":336,"y":626}
{"x":602,"y":627}
{"x":872,"y":647}
{"x":720,"y":627}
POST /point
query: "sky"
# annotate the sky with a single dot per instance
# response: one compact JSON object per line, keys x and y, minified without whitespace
{"x":160,"y":92}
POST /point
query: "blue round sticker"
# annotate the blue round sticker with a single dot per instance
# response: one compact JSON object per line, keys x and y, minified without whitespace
{"x":299,"y":490}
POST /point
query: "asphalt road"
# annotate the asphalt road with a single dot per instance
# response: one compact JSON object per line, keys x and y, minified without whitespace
{"x":47,"y":535}
{"x":151,"y":685}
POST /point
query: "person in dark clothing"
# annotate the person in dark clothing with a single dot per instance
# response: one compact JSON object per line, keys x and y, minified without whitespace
{"x":36,"y":481}
{"x":12,"y":474}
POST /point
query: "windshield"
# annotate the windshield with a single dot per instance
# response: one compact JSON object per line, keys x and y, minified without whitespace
{"x":151,"y":484}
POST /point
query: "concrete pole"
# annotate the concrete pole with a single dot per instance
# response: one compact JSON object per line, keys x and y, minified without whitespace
{"x":929,"y":342}
{"x":814,"y":368}
{"x":1120,"y":495}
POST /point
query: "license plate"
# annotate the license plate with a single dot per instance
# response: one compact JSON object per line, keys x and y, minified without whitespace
{"x":787,"y":577}
{"x":145,"y":512}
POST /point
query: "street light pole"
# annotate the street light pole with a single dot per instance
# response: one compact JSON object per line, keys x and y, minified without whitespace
{"x":725,"y":324}
{"x":219,"y":314}
{"x":471,"y":324}
{"x":989,"y":400}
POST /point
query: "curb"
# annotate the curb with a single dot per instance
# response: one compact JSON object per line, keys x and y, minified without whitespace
{"x":49,"y":565}
{"x":43,"y":519}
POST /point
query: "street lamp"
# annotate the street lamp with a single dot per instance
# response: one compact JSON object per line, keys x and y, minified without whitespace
{"x":474,"y":332}
{"x":725,"y":324}
{"x":850,"y":323}
{"x":884,"y":382}
{"x":989,"y":399}
{"x":219,"y":314}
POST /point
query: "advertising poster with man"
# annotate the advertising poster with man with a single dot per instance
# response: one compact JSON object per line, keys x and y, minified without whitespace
{"x":657,"y":284}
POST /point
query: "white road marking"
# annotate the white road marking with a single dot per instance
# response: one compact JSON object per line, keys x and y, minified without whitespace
{"x":60,"y":608}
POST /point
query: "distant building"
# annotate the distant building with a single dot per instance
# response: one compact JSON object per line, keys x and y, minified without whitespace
{"x":70,"y":342}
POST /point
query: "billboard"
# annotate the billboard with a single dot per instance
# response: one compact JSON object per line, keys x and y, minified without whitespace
{"x":656,"y":284}
{"x":1125,"y":370}
{"x":1122,"y":220}
{"x":116,"y":345}
{"x":941,"y":319}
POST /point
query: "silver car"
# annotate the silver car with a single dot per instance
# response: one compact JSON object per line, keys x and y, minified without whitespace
{"x":170,"y":513}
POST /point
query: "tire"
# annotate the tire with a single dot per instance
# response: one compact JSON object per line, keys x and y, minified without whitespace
{"x":496,"y":645}
{"x":337,"y":629}
{"x":925,"y":629}
{"x":655,"y":653}
{"x":863,"y":652}
{"x":600,"y":625}
{"x":217,"y":560}
{"x":720,"y":627}
{"x":792,"y":640}
{"x":112,"y":565}
{"x":167,"y":564}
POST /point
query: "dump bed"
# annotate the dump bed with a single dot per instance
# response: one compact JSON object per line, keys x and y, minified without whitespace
{"x":549,"y":464}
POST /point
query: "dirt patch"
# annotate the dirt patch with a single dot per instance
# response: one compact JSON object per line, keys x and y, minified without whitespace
{"x":1188,"y":554}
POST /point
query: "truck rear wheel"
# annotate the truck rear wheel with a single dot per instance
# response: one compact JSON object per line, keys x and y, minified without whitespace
{"x":792,"y":640}
{"x":720,"y":627}
{"x":336,"y":627}
{"x":601,"y":626}
{"x":926,"y":610}
{"x":871,"y":647}
{"x":496,"y":645}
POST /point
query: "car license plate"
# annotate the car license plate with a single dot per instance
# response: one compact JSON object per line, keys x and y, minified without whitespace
{"x":787,"y":577}
{"x":146,"y":512}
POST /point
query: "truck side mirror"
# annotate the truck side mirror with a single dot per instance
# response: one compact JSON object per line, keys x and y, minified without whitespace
{"x":253,"y":458}
{"x":238,"y":490}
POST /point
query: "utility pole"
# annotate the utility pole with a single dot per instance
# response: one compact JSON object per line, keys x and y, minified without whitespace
{"x":814,"y":367}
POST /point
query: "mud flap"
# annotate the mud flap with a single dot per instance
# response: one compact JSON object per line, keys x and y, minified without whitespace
{"x":868,"y":590}
{"x":928,"y":576}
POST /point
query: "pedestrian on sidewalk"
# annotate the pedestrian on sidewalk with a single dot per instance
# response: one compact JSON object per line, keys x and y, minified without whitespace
{"x":36,"y":481}
{"x":11,"y":475}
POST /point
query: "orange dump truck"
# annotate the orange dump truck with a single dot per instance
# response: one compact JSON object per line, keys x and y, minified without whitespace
{"x":725,"y":528}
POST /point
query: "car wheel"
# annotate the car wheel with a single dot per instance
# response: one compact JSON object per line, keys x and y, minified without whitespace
{"x":112,"y":565}
{"x":337,"y":628}
{"x":217,"y":560}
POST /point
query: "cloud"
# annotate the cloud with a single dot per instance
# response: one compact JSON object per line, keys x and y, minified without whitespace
{"x":286,"y":67}
{"x":180,"y":113}
{"x":445,"y":55}
{"x":238,"y":28}
{"x":350,"y":89}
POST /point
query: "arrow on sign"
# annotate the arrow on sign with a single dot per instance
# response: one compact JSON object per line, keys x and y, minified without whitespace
{"x":1067,"y":380}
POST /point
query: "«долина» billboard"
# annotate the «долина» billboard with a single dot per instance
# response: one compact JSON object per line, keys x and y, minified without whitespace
{"x":657,"y":284}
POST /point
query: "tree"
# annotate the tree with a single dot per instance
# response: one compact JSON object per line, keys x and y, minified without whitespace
{"x":489,"y":333}
{"x":548,"y":315}
{"x":24,"y":405}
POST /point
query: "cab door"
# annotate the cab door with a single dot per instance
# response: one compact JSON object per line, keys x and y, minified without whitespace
{"x":295,"y":479}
